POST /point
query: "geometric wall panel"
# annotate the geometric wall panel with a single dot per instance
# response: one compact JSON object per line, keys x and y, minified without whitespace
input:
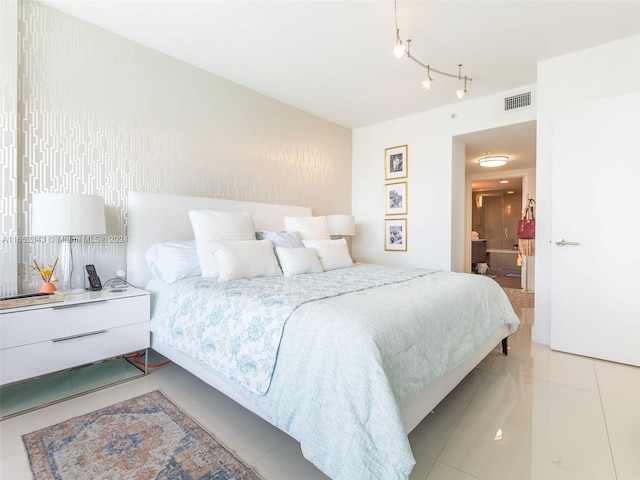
{"x":8,"y":147}
{"x":102,"y":115}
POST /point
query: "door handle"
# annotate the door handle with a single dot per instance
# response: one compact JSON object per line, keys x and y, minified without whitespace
{"x":561,"y":242}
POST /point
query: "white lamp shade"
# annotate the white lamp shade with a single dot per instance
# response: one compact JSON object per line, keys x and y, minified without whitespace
{"x":344,"y":225}
{"x":67,"y":214}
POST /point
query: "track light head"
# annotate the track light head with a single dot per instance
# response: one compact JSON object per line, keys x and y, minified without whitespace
{"x":427,"y":83}
{"x":398,"y":48}
{"x":463,"y":91}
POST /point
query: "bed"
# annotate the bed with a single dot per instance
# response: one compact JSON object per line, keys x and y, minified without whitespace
{"x":351,"y":359}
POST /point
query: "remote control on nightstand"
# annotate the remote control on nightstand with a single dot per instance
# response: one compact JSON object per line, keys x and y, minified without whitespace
{"x":94,"y":280}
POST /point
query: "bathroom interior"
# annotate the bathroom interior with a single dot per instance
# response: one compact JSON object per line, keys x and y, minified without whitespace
{"x":496,"y":210}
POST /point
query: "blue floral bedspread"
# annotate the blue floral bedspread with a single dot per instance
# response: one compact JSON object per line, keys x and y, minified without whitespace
{"x":345,"y":363}
{"x":235,"y":327}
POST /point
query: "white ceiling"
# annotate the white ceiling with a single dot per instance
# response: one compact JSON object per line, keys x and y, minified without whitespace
{"x":333,"y":58}
{"x":518,"y":142}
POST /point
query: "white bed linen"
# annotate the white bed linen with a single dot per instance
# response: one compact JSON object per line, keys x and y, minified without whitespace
{"x":342,"y":374}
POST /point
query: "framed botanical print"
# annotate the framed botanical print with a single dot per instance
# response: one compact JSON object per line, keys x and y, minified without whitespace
{"x":395,"y":235}
{"x":395,"y":197}
{"x":395,"y":162}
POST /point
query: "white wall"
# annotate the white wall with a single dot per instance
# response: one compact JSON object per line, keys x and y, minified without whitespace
{"x":100,"y":114}
{"x":436,"y":184}
{"x":598,"y":73}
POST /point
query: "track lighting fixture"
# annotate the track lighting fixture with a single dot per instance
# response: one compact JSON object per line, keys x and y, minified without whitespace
{"x":400,"y":50}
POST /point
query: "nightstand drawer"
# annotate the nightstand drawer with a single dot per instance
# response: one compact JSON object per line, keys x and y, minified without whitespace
{"x":33,"y":326}
{"x":36,"y":359}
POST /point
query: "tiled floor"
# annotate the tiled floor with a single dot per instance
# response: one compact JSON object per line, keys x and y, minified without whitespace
{"x":534,"y":415}
{"x":508,"y":281}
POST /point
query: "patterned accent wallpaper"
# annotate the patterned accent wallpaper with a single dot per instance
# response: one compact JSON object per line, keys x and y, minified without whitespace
{"x":8,"y":146}
{"x":99,"y":114}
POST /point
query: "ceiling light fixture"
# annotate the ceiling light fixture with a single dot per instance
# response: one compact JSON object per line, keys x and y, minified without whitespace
{"x":400,"y":50}
{"x":493,"y":161}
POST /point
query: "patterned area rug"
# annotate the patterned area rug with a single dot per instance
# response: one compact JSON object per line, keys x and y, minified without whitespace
{"x":144,"y":438}
{"x":519,"y":298}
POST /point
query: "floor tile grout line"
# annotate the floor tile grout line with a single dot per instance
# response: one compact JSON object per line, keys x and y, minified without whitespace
{"x":270,"y":451}
{"x":604,"y":418}
{"x":457,"y":423}
{"x":534,"y":377}
{"x":457,"y":470}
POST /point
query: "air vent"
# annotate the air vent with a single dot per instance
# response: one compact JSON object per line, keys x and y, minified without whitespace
{"x":517,"y":101}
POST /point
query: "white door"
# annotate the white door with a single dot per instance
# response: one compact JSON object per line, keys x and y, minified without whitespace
{"x":595,"y":285}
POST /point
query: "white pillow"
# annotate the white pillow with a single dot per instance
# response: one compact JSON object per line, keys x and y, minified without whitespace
{"x":214,"y":225}
{"x":333,"y":253}
{"x":210,"y":225}
{"x":173,"y":261}
{"x":310,"y":228}
{"x":244,"y":259}
{"x":295,"y":261}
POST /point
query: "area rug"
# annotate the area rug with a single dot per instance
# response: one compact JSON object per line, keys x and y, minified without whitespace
{"x":144,"y":438}
{"x":519,"y":298}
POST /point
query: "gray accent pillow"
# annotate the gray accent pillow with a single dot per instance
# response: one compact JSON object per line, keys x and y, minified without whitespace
{"x":281,"y":239}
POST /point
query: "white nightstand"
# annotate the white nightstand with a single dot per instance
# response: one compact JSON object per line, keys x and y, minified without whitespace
{"x":86,"y":327}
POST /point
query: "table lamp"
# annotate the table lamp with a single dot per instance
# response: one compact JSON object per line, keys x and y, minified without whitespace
{"x":69,"y":216}
{"x":341,"y":225}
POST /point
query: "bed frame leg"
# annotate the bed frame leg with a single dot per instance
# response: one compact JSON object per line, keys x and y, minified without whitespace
{"x":505,"y":342}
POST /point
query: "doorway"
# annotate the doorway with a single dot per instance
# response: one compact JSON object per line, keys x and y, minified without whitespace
{"x":518,"y":143}
{"x":495,"y":211}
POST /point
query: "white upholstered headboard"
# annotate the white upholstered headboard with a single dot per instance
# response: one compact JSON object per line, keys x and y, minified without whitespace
{"x":158,"y":217}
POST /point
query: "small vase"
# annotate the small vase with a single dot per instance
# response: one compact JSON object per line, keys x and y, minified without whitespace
{"x":48,"y":287}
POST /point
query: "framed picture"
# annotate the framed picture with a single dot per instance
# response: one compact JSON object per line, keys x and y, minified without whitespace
{"x":395,"y":197}
{"x":395,"y":235}
{"x":395,"y":162}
